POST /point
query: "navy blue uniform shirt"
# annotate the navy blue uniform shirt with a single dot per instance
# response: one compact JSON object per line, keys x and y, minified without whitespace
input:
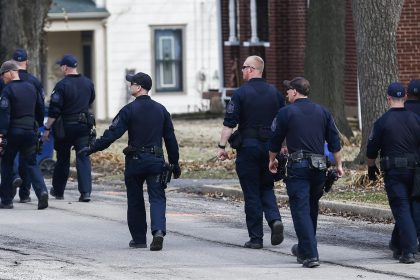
{"x":307,"y":126}
{"x":395,"y":133}
{"x":72,"y":95}
{"x":147,"y":122}
{"x":413,"y":106}
{"x":26,"y":76}
{"x":19,"y":99}
{"x":254,"y":104}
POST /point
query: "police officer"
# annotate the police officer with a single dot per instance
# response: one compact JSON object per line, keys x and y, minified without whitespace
{"x":71,"y":99}
{"x":396,"y":135}
{"x":20,"y":109}
{"x":411,"y":104}
{"x":20,"y":56}
{"x":306,"y":126}
{"x":253,"y":107}
{"x":413,"y":97}
{"x":17,"y":180}
{"x":147,"y":123}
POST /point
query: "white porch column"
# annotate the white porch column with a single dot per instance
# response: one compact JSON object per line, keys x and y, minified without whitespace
{"x":232,"y":22}
{"x":99,"y":74}
{"x":253,"y":12}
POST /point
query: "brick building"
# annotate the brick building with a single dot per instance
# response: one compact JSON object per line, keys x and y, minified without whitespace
{"x":262,"y":27}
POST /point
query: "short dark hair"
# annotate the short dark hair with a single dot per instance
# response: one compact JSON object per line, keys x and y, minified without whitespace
{"x":299,"y":83}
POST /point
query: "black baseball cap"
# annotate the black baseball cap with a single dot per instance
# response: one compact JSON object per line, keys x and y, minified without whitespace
{"x":68,"y":60}
{"x":414,"y":87}
{"x":140,"y":79}
{"x":20,"y":55}
{"x":396,"y":90}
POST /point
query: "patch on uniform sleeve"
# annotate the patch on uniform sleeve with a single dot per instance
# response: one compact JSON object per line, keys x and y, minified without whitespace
{"x":115,"y":121}
{"x":230,"y":107}
{"x":274,"y":124}
{"x":55,"y":97}
{"x":371,"y":135}
{"x":4,"y":103}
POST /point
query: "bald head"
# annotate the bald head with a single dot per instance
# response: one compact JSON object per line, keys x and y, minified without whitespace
{"x":256,"y":62}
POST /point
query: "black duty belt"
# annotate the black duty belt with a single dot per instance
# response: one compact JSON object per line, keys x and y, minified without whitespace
{"x":24,"y":122}
{"x":399,"y":162}
{"x":301,"y":155}
{"x":132,"y":151}
{"x":75,"y":118}
{"x":260,"y":133}
{"x":317,"y":161}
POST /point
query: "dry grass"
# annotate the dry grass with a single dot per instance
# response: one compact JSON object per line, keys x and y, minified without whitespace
{"x":198,"y":146}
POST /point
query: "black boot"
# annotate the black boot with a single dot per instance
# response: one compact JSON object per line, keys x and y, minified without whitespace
{"x":157,"y":242}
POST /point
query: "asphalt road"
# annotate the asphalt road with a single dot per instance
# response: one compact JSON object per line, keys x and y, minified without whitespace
{"x":72,"y":240}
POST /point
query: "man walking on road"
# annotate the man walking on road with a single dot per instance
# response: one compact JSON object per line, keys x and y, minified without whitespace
{"x":147,"y":123}
{"x":253,"y":107}
{"x":396,"y":136}
{"x":20,"y":110}
{"x":306,"y":126}
{"x":71,"y":100}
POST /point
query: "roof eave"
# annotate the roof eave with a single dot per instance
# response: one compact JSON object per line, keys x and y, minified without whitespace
{"x":68,"y":16}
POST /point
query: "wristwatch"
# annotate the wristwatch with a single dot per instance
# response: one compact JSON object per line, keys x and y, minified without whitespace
{"x":221,"y":146}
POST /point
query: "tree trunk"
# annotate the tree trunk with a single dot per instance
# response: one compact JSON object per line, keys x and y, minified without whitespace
{"x":22,"y":26}
{"x":324,"y":58}
{"x":376,"y":25}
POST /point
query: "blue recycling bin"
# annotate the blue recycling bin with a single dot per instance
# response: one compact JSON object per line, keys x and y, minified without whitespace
{"x":45,"y":158}
{"x":328,"y":154}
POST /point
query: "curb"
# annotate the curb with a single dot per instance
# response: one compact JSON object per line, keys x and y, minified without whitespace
{"x":362,"y":211}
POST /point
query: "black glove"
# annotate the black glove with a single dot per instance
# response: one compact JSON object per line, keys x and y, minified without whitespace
{"x":85,"y":151}
{"x":176,"y":171}
{"x":372,"y":171}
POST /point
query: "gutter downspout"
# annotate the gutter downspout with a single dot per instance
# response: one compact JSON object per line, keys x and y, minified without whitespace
{"x":220,"y":37}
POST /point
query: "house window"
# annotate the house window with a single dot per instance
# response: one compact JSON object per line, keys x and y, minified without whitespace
{"x":168,"y":60}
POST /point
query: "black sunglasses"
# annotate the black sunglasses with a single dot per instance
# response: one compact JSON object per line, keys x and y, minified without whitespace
{"x":247,"y":66}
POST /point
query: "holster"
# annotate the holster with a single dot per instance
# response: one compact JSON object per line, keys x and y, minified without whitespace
{"x":58,"y":128}
{"x":39,"y":144}
{"x":235,"y":140}
{"x":318,"y":162}
{"x":92,"y":136}
{"x":3,"y":145}
{"x":166,"y":175}
{"x":331,"y":178}
{"x":415,"y":192}
{"x":281,"y":168}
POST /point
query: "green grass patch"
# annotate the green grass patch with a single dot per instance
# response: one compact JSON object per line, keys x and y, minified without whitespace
{"x":361,"y":197}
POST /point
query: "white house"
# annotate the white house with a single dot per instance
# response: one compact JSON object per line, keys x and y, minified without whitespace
{"x":175,"y":41}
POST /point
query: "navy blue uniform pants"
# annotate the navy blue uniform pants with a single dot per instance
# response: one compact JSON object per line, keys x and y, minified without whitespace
{"x":77,"y":137}
{"x":20,"y":171}
{"x":398,"y":185}
{"x":142,"y":168}
{"x":257,"y":184}
{"x":305,"y":188}
{"x":24,"y":142}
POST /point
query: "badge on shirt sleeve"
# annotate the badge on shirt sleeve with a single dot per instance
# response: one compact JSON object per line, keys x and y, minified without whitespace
{"x":230,"y":107}
{"x":4,"y":103}
{"x":115,"y":121}
{"x":371,"y":135}
{"x":55,"y":97}
{"x":274,"y":124}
